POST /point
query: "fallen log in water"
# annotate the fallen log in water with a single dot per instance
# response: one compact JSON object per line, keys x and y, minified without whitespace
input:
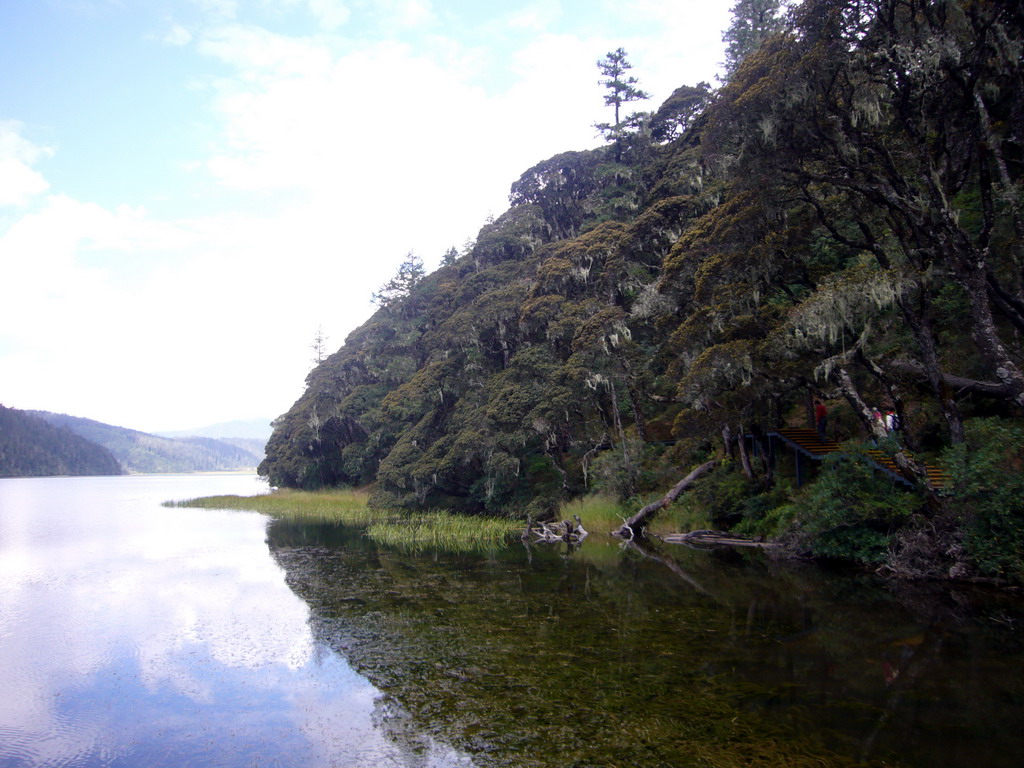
{"x":712,"y":538}
{"x":634,"y":527}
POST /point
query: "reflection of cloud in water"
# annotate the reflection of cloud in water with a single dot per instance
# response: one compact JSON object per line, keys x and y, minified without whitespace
{"x":362,"y":727}
{"x":125,"y":626}
{"x":416,"y":748}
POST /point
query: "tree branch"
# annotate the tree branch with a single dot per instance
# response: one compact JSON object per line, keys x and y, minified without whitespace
{"x":959,"y":383}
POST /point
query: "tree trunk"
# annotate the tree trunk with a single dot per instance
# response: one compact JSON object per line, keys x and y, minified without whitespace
{"x":992,"y":144}
{"x":764,"y":453}
{"x":741,"y":444}
{"x":883,"y":378}
{"x":636,"y":524}
{"x":634,"y":397}
{"x":921,"y":329}
{"x":910,"y":468}
{"x":985,"y":334}
{"x":626,"y":461}
{"x":1008,"y":305}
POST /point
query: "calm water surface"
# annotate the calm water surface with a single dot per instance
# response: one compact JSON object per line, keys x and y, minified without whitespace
{"x":137,"y":635}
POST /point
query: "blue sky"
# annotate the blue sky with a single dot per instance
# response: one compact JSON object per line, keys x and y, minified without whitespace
{"x":190,"y":188}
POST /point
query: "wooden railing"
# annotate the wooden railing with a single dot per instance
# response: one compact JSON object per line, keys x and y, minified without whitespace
{"x":806,"y":442}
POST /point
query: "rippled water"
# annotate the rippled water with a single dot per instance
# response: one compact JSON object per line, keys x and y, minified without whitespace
{"x":137,"y":635}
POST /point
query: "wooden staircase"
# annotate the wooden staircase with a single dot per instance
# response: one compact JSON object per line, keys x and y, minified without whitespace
{"x":806,"y":442}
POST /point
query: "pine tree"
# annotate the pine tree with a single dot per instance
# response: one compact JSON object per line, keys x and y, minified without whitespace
{"x":410,"y":272}
{"x":621,"y":89}
{"x":753,"y":21}
{"x":319,"y":345}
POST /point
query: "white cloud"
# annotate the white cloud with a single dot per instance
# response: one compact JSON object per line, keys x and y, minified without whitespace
{"x":177,"y":35}
{"x":404,"y":13}
{"x":688,"y":47}
{"x":218,"y":9}
{"x":331,"y":156}
{"x":19,"y":182}
{"x":150,"y":324}
{"x":330,"y":13}
{"x":388,"y":144}
{"x":68,"y":322}
{"x":536,"y":17}
{"x":255,"y":52}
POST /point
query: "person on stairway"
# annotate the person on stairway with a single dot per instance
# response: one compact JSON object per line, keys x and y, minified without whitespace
{"x":820,"y":419}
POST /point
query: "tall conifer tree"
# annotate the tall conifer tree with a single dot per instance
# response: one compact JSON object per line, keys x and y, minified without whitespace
{"x":753,"y":21}
{"x":622,"y":88}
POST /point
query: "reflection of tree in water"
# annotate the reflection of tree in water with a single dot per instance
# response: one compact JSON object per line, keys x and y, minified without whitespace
{"x":603,"y":657}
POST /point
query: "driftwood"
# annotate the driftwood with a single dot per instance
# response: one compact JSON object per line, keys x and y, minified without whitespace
{"x":712,"y":538}
{"x":634,"y":526}
{"x":564,"y":530}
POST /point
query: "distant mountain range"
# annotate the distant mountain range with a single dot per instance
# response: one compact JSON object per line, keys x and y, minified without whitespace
{"x":33,"y":447}
{"x":254,"y":429}
{"x":145,"y":453}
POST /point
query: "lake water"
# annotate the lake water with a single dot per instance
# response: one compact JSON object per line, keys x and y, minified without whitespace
{"x":133,"y":634}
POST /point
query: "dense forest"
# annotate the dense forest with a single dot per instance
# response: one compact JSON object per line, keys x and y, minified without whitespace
{"x":841,"y":220}
{"x":32,"y":447}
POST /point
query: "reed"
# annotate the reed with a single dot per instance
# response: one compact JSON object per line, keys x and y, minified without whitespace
{"x":599,"y":513}
{"x":445,"y":531}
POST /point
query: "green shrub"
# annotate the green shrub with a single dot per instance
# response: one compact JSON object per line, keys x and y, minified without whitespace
{"x":720,"y":497}
{"x":852,"y":510}
{"x":987,"y":473}
{"x":763,"y":512}
{"x":622,"y":470}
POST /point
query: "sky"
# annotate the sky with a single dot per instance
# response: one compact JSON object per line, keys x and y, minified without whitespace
{"x":191,"y":189}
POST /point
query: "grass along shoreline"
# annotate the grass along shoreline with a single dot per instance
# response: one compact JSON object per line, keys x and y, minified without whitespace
{"x":415,"y":531}
{"x":335,"y":506}
{"x":412,"y":531}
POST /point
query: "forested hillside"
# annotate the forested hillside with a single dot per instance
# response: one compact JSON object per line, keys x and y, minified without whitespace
{"x":31,"y":447}
{"x":841,"y":219}
{"x":143,"y":452}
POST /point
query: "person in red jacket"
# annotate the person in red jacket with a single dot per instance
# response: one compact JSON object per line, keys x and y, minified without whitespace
{"x":820,"y":418}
